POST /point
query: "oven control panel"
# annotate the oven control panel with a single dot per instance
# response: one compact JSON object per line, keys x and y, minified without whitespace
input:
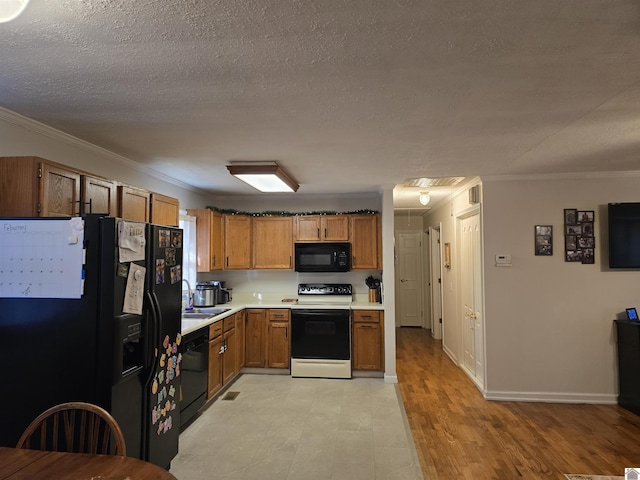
{"x":324,"y":289}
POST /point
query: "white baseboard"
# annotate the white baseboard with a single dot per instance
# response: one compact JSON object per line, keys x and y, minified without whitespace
{"x":390,"y":378}
{"x":553,"y":397}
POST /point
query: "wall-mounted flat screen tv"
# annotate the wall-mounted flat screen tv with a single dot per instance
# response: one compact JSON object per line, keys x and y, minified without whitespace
{"x":624,"y":235}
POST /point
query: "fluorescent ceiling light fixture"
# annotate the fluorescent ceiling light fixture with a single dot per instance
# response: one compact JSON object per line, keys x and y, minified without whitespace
{"x":10,"y":9}
{"x":424,"y":198}
{"x":266,"y":177}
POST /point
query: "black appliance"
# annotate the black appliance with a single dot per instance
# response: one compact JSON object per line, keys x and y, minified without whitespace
{"x":195,"y":364}
{"x":224,"y":296}
{"x":322,"y":257}
{"x":624,"y":235}
{"x":90,"y":349}
{"x":321,"y":331}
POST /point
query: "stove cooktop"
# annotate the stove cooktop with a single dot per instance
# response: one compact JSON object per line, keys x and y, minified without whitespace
{"x":325,"y":294}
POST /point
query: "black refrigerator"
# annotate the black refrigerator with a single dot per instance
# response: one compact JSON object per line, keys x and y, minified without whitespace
{"x":115,"y":343}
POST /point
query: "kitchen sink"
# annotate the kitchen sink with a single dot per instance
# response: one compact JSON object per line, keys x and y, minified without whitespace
{"x":204,"y":312}
{"x":211,"y":311}
{"x":196,"y":315}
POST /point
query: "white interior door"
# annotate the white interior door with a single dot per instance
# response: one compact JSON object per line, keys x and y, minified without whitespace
{"x":410,"y":279}
{"x":436,"y":283}
{"x":471,"y":291}
{"x":466,"y":291}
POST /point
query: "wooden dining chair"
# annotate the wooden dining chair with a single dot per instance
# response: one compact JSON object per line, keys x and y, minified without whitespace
{"x":74,"y":427}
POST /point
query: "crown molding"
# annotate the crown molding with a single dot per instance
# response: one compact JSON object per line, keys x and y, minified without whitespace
{"x":39,"y":128}
{"x":561,"y":176}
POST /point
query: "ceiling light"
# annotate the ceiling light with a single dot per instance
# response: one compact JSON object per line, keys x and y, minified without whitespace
{"x":266,"y":177}
{"x":424,"y":198}
{"x":10,"y":9}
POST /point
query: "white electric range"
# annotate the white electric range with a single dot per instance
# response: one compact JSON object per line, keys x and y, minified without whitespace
{"x":321,"y":331}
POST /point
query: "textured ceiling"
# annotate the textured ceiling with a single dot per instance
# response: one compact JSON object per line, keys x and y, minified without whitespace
{"x":346,"y":94}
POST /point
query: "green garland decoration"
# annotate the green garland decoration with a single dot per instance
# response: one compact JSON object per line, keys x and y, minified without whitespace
{"x":280,"y":213}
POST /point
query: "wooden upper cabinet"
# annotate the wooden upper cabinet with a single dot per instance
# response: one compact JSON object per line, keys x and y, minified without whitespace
{"x":364,"y":241}
{"x":237,"y":242}
{"x":20,"y":181}
{"x":134,"y":203}
{"x":60,"y":191}
{"x":165,"y":210}
{"x":272,"y":242}
{"x":307,"y":228}
{"x":209,"y":239}
{"x":334,"y":228}
{"x":322,"y":228}
{"x":98,"y":195}
{"x":33,"y":186}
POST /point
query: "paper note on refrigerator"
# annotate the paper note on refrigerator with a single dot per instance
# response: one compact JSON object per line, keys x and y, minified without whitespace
{"x":131,"y":241}
{"x":134,"y":292}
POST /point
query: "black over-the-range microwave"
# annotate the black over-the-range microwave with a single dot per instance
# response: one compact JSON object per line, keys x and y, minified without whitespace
{"x":323,"y":257}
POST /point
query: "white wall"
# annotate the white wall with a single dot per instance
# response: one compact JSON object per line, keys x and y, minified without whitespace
{"x":549,"y":324}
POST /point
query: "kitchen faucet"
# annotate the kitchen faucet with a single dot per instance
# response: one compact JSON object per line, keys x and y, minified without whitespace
{"x":189,"y":305}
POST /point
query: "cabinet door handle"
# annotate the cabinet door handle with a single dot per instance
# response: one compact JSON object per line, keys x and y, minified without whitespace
{"x":290,"y":262}
{"x":213,"y":260}
{"x":325,"y":233}
{"x":227,"y":261}
{"x":318,"y":233}
{"x":365,"y":326}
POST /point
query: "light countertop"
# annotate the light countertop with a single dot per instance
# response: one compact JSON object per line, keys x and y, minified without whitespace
{"x":242,"y":301}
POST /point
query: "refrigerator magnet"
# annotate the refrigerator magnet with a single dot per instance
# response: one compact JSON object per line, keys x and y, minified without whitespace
{"x":159,"y":271}
{"x":123,"y":270}
{"x":176,"y":239}
{"x":164,"y":238}
{"x":170,"y":256}
{"x":176,"y":274}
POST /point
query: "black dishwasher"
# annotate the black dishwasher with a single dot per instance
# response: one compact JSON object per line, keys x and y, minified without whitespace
{"x":195,"y":364}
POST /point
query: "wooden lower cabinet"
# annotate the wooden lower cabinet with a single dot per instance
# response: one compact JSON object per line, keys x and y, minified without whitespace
{"x":367,"y":340}
{"x":215,"y":366}
{"x":240,"y":329}
{"x":278,"y":352}
{"x":223,"y":353}
{"x":255,"y":338}
{"x":267,"y":338}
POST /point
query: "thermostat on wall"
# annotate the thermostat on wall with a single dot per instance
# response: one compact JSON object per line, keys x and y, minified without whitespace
{"x":503,"y":260}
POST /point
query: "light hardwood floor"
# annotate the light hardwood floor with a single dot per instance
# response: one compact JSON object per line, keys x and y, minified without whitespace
{"x":459,"y":435}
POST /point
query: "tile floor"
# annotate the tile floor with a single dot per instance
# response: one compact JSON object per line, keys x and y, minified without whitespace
{"x":280,"y":427}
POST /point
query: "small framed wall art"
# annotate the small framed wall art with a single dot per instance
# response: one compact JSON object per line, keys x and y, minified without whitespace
{"x":543,"y":239}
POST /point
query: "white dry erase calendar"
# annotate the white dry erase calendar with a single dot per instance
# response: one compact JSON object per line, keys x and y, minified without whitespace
{"x":41,"y":258}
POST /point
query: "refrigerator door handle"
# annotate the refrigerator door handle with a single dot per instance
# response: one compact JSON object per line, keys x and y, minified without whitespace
{"x":153,"y":339}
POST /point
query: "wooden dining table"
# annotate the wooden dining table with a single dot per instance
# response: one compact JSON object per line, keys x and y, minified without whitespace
{"x":39,"y":465}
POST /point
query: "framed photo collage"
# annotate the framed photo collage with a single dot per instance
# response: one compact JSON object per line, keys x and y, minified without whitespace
{"x":579,"y":238}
